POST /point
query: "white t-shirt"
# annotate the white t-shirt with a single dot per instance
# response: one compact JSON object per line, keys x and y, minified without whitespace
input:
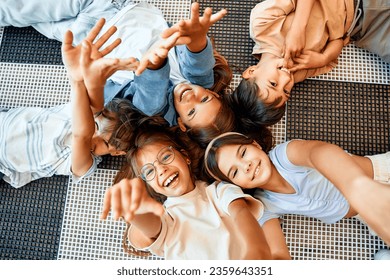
{"x":139,"y":26}
{"x":198,"y":225}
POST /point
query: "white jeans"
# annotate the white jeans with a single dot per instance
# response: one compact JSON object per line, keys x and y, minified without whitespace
{"x":53,"y":17}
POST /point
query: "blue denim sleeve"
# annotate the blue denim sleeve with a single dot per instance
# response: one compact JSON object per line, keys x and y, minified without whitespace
{"x":150,"y":90}
{"x":197,"y":68}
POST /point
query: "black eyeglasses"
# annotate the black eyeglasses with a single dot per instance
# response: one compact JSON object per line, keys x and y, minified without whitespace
{"x":165,"y":156}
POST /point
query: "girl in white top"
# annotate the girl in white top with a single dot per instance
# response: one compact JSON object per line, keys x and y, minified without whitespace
{"x":306,"y":177}
{"x":192,"y":220}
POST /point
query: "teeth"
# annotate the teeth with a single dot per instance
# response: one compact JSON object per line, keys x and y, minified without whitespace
{"x":184,"y":93}
{"x":257,"y":170}
{"x":170,"y":179}
{"x":285,"y":70}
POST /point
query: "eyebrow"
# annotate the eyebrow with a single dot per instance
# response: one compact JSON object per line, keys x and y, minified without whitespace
{"x":237,"y":153}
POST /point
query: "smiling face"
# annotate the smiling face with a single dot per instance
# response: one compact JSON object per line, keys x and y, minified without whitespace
{"x":247,"y":165}
{"x":195,"y":105}
{"x":274,"y":81}
{"x":173,"y":179}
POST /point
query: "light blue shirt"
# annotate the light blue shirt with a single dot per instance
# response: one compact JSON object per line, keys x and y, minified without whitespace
{"x":315,"y":196}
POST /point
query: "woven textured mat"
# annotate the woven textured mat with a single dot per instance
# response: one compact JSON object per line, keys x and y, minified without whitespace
{"x":231,"y":34}
{"x":31,"y":219}
{"x":354,"y":116}
{"x":26,"y":45}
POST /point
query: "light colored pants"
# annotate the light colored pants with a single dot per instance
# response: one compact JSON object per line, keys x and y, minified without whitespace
{"x":373,"y":29}
{"x":53,"y":17}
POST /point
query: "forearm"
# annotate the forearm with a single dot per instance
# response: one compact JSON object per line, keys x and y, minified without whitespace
{"x":197,"y":45}
{"x":254,"y":244}
{"x":276,"y":240}
{"x":149,"y":224}
{"x":83,"y":128}
{"x":369,"y":198}
{"x":197,"y":68}
{"x":82,"y":117}
{"x":302,"y":14}
{"x":333,"y":50}
{"x":96,"y":99}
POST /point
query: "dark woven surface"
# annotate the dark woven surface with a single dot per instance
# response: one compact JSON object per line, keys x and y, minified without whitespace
{"x":110,"y":162}
{"x":231,"y":34}
{"x":31,"y":219}
{"x":26,"y":45}
{"x":354,"y":116}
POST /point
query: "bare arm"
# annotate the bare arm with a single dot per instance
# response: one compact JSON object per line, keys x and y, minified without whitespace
{"x":83,"y":128}
{"x":369,"y":198}
{"x":276,"y":240}
{"x":254,"y":243}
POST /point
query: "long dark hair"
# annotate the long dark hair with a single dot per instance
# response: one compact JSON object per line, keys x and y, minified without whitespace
{"x":225,"y":119}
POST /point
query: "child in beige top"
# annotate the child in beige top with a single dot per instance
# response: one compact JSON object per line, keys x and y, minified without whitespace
{"x":296,"y":39}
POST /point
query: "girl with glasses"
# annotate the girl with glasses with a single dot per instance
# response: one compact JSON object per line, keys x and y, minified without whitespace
{"x":305,"y":177}
{"x":175,"y":216}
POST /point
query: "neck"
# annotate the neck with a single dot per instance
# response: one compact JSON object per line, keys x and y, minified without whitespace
{"x":277,"y":183}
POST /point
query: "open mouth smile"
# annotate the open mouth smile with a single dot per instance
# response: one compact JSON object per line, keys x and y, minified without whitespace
{"x":171,"y":180}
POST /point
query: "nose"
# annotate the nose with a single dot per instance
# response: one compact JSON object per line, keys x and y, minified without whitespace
{"x":160,"y":168}
{"x":246,"y":166}
{"x":285,"y":84}
{"x":189,"y":96}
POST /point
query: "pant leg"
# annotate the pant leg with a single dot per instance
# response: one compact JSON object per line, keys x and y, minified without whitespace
{"x":22,"y":13}
{"x":82,"y":23}
{"x":53,"y":17}
{"x":374,"y":28}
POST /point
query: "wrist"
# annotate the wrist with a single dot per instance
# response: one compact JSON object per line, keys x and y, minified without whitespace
{"x":198,"y":45}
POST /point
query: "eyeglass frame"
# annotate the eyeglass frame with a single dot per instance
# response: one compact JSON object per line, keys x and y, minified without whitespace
{"x":170,"y":148}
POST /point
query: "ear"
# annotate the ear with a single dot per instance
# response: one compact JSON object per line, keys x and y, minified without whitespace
{"x":248,"y":72}
{"x":181,"y":125}
{"x":185,"y":153}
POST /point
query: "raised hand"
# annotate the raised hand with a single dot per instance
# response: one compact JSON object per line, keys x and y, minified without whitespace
{"x":71,"y":54}
{"x":195,"y":29}
{"x":129,"y":198}
{"x":156,"y":55}
{"x":96,"y":71}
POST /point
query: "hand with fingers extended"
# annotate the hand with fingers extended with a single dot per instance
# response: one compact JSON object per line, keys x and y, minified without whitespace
{"x":129,"y":198}
{"x":155,"y":57}
{"x":71,"y":54}
{"x":96,"y":71}
{"x":195,"y":29}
